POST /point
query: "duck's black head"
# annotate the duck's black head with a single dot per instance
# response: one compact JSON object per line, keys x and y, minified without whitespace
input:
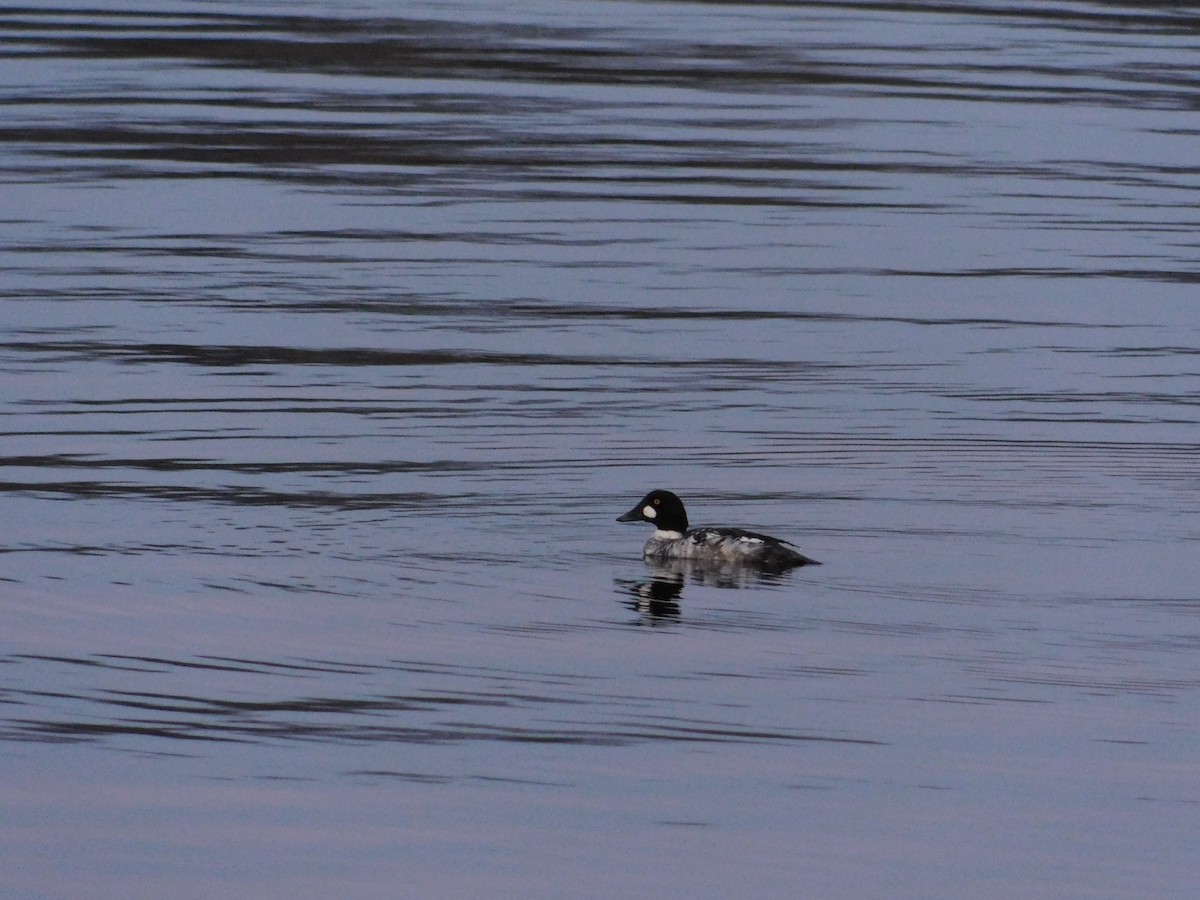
{"x":661,"y":509}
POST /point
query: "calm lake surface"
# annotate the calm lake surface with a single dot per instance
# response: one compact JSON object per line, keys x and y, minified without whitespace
{"x":334,"y":337}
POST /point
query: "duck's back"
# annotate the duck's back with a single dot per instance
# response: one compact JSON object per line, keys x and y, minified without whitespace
{"x":726,"y":545}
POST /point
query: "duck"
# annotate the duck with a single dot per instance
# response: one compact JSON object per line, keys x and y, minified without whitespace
{"x":674,"y":540}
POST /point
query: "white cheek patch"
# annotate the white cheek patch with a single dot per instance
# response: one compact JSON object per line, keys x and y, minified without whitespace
{"x":648,"y":512}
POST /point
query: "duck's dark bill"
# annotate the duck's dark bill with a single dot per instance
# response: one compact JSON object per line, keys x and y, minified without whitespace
{"x":634,"y":515}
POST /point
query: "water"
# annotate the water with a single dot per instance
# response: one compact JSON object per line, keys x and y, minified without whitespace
{"x":334,"y":339}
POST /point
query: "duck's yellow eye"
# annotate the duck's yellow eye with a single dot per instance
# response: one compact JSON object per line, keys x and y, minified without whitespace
{"x":657,"y":501}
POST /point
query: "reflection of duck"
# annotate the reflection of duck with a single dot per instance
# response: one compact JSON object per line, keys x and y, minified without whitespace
{"x":656,"y":599}
{"x":718,"y":548}
{"x":721,"y":574}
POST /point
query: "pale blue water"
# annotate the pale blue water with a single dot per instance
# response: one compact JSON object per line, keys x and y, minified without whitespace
{"x":335,"y":338}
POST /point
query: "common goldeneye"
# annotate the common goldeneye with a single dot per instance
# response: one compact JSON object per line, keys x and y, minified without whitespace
{"x":673,"y":539}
